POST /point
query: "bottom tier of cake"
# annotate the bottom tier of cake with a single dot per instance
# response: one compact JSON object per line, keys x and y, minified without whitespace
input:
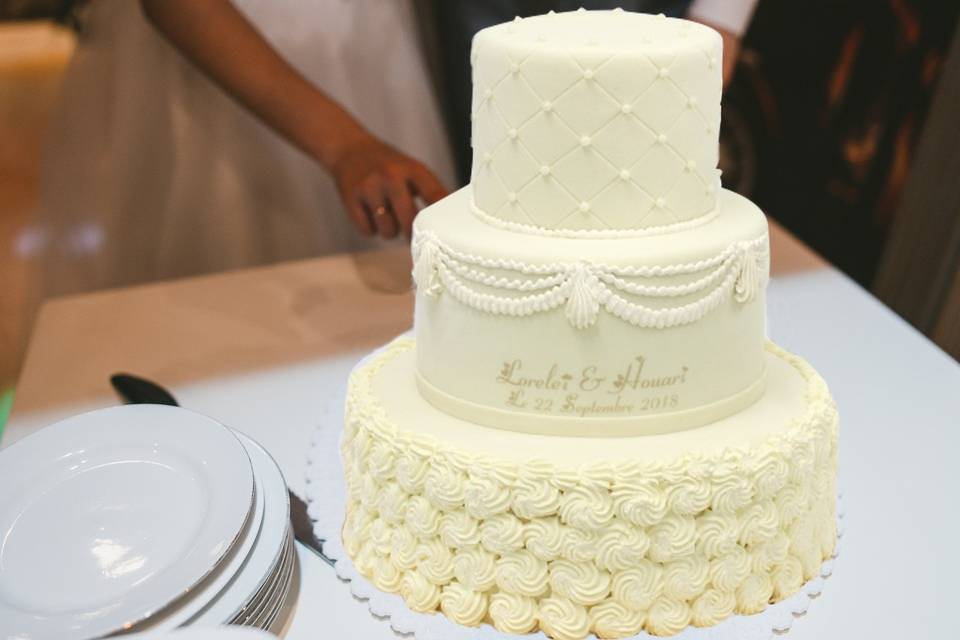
{"x":577,"y":535}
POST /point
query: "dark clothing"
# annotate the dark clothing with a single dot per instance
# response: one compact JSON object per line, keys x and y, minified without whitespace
{"x":455,"y":23}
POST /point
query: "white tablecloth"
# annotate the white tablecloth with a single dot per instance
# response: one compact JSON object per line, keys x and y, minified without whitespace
{"x":899,"y":400}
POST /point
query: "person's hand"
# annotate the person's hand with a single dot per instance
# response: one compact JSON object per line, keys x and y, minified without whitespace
{"x":379,"y":187}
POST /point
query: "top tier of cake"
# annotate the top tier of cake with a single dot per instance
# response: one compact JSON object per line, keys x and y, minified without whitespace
{"x":596,"y":123}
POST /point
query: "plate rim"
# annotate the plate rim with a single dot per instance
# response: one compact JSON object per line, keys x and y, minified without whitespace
{"x":220,"y":526}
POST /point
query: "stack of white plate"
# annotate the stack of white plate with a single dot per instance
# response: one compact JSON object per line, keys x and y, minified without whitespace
{"x":141,"y":517}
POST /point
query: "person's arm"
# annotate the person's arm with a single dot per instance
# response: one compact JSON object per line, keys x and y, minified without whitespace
{"x":731,"y":19}
{"x":377,"y":183}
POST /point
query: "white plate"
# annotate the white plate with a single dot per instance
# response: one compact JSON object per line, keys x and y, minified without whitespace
{"x":204,"y":633}
{"x":268,"y":549}
{"x":109,"y":516}
{"x":276,"y":591}
{"x":211,"y":587}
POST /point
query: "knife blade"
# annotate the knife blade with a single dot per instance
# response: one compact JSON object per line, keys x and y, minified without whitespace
{"x":137,"y":390}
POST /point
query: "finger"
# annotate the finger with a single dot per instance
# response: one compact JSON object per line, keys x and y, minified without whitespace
{"x":383,"y":220}
{"x":360,"y":215}
{"x":401,"y":204}
{"x":423,"y":183}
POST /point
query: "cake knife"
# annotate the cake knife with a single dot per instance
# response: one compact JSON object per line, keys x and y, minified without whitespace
{"x":136,"y":390}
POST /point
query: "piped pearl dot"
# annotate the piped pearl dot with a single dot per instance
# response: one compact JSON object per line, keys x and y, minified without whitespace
{"x":487,"y":158}
{"x":584,"y":207}
{"x":544,"y":170}
{"x":513,"y":134}
{"x":710,"y":190}
{"x":660,"y":16}
{"x":517,"y":19}
{"x":514,"y":67}
{"x":662,"y":138}
{"x":581,"y":10}
{"x":512,"y":197}
{"x":661,"y":203}
{"x":664,"y":72}
{"x":691,"y":165}
{"x":691,"y":102}
{"x":588,"y":74}
{"x":624,"y":174}
{"x":626,"y":108}
{"x":488,"y":93}
{"x":547,"y":106}
{"x":585,"y":141}
{"x":713,"y":62}
{"x":618,"y":10}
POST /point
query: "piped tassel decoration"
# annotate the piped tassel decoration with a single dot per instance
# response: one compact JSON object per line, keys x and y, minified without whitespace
{"x":583,"y":305}
{"x":425,"y":267}
{"x":748,"y":280}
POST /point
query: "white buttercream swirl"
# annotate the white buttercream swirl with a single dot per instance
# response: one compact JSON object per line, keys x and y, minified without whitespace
{"x":535,"y":498}
{"x":768,"y":554}
{"x":711,"y":607}
{"x":393,"y":503}
{"x":581,"y":582}
{"x":522,"y":573}
{"x":475,"y":568}
{"x":732,"y":491}
{"x":386,"y":575}
{"x":512,"y":613}
{"x":754,"y":594}
{"x":759,"y":522}
{"x":381,"y":537}
{"x":770,"y":474}
{"x":717,"y":534}
{"x":502,"y":533}
{"x":586,"y":506}
{"x":463,"y":605}
{"x":543,"y":537}
{"x":422,"y":518}
{"x":621,"y":546}
{"x":683,"y":579}
{"x":578,"y":545}
{"x":688,"y":496}
{"x":380,"y":461}
{"x":404,"y":548}
{"x":443,"y":486}
{"x":484,"y":497}
{"x":640,"y":503}
{"x":435,"y":562}
{"x":610,"y":619}
{"x":674,"y":537}
{"x":667,"y":617}
{"x":419,"y":593}
{"x":727,"y":572}
{"x":562,"y":619}
{"x":787,"y":578}
{"x":411,"y":472}
{"x":458,"y":530}
{"x":637,"y":587}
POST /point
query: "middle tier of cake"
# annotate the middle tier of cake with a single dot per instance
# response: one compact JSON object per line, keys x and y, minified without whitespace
{"x":634,"y":333}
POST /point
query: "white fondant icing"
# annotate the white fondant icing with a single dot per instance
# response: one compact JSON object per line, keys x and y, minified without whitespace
{"x":549,"y":91}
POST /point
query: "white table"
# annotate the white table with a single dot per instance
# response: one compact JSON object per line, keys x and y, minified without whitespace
{"x":899,"y":398}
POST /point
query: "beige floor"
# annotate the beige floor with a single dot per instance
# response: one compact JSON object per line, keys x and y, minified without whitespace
{"x":33,"y":56}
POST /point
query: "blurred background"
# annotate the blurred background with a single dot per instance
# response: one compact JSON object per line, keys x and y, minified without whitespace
{"x":840,"y":122}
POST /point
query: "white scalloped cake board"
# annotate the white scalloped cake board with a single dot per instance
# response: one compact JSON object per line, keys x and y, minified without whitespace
{"x":326,"y":493}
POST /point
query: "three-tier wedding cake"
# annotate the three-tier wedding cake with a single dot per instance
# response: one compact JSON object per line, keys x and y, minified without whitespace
{"x":590,"y":432}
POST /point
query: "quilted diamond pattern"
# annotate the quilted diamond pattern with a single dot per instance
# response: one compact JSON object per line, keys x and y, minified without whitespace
{"x":572,"y":134}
